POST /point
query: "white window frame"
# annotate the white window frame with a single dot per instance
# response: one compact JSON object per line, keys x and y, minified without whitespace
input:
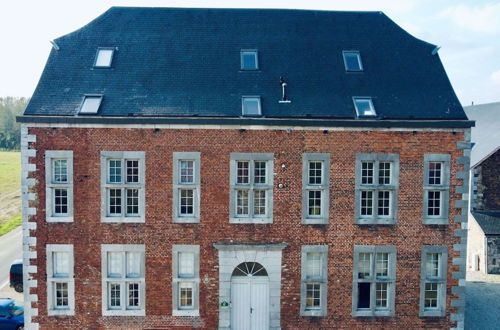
{"x":365,"y":98}
{"x":178,"y":279}
{"x":112,"y":49}
{"x":178,"y":185}
{"x":321,"y":280}
{"x":392,"y":187}
{"x":268,"y":158}
{"x":324,"y":188}
{"x":390,"y":279}
{"x":52,"y":280}
{"x":50,"y":185}
{"x":443,"y":188}
{"x":106,"y":186}
{"x":440,"y":310}
{"x":247,"y":51}
{"x":243,"y":105}
{"x":123,"y":280}
{"x":359,"y":60}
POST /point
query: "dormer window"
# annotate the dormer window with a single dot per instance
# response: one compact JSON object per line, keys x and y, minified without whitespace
{"x":364,"y":106}
{"x":251,"y":106}
{"x":104,"y":57}
{"x":352,"y":61}
{"x":249,"y":60}
{"x":91,"y":104}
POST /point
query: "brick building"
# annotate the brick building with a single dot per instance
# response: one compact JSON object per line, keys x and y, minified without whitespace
{"x":244,"y":169}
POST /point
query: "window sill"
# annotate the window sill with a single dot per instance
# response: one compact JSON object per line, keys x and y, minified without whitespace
{"x":60,"y":219}
{"x":251,"y":220}
{"x":375,"y":221}
{"x":435,"y":221}
{"x":430,"y":313}
{"x":186,"y":220}
{"x":134,"y":312}
{"x":372,"y":313}
{"x":186,"y":312}
{"x":123,"y":220}
{"x":314,"y":221}
{"x":313,"y":313}
{"x":61,"y":312}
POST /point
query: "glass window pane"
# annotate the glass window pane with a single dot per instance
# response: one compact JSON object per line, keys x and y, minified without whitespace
{"x":61,"y":294}
{"x":259,"y":172}
{"x":314,"y":202}
{"x":431,"y":295}
{"x":364,"y":295}
{"x":433,"y":203}
{"x":132,"y":171}
{"x":60,"y":171}
{"x":381,"y":294}
{"x":366,"y":172}
{"x":186,"y":264}
{"x":187,"y":171}
{"x":115,"y":201}
{"x":91,"y":104}
{"x":115,"y":264}
{"x":114,"y":295}
{"x":249,"y":60}
{"x":352,"y":61}
{"x":114,"y":171}
{"x":60,"y":201}
{"x":364,"y":107}
{"x":242,"y":202}
{"x":251,"y":106}
{"x":61,"y":264}
{"x":432,"y":266}
{"x":384,"y":203}
{"x":313,"y":265}
{"x":366,"y":202}
{"x":104,"y":57}
{"x":315,"y":172}
{"x":382,"y":264}
{"x":364,"y":265}
{"x":243,"y":174}
{"x":185,"y":295}
{"x":384,"y":173}
{"x":313,"y":295}
{"x":133,"y":294}
{"x":133,"y":264}
{"x":186,"y":202}
{"x":259,"y":202}
{"x":435,"y":172}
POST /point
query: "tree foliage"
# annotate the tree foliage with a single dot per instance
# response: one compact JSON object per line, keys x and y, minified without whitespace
{"x":10,"y":134}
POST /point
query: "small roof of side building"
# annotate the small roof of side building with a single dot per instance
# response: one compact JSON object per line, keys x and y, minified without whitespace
{"x":486,"y":133}
{"x":185,"y":62}
{"x":489,"y":221}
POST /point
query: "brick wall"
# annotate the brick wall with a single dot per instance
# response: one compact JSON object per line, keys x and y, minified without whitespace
{"x":158,"y":234}
{"x":488,"y":184}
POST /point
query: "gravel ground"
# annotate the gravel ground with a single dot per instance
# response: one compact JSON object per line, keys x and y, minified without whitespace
{"x":482,"y":306}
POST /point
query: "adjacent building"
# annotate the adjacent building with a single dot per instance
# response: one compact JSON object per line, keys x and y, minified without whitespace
{"x":244,"y":169}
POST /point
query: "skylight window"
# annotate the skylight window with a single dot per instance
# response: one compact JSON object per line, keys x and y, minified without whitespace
{"x":364,"y":106}
{"x":352,"y":61}
{"x":91,"y":104}
{"x":104,"y":57}
{"x":251,"y":106}
{"x":249,"y":60}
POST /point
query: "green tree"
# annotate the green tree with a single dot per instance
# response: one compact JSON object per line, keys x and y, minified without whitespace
{"x":10,"y":134}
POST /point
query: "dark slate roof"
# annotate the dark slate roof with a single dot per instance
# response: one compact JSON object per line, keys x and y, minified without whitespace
{"x":489,"y":221}
{"x":186,"y":62}
{"x":486,"y":134}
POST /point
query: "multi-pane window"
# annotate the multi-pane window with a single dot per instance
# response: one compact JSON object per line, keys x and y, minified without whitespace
{"x":314,"y":280}
{"x":186,"y":186}
{"x":185,"y":276}
{"x":376,"y":188}
{"x":374,"y":280}
{"x":433,"y":280}
{"x":123,"y":182}
{"x":59,"y":185}
{"x":251,"y":180}
{"x":60,"y":281}
{"x":352,"y":60}
{"x":436,"y":188}
{"x":249,"y":60}
{"x":123,"y":279}
{"x":315,"y":188}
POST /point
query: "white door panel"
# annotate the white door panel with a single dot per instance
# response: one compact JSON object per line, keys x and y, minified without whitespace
{"x":250,"y":303}
{"x":240,"y":305}
{"x":259,"y":302}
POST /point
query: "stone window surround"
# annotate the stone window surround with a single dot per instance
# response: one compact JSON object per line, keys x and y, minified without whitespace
{"x":51,"y":310}
{"x":323,"y":250}
{"x":392,"y":275}
{"x":105,"y":248}
{"x":177,"y":157}
{"x":444,"y":188}
{"x":324,"y":187}
{"x":195,"y":249}
{"x":269,"y":159}
{"x":441,"y":311}
{"x":139,"y":155}
{"x":393,"y":187}
{"x":49,"y":186}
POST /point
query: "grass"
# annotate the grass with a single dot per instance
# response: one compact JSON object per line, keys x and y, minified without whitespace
{"x":10,"y":190}
{"x":13,"y":223}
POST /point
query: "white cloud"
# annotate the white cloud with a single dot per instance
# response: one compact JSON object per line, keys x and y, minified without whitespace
{"x":484,"y":19}
{"x":495,"y":77}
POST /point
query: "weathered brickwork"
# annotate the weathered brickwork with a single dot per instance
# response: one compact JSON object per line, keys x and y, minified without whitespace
{"x":488,"y":183}
{"x":159,"y":233}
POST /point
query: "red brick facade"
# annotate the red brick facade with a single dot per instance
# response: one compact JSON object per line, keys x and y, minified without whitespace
{"x":159,"y":233}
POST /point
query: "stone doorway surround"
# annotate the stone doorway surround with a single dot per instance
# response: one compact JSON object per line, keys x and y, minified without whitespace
{"x":233,"y":254}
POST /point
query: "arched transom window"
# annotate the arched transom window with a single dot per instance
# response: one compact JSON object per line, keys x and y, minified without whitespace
{"x":249,"y":269}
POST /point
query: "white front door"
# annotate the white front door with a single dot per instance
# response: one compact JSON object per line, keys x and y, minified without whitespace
{"x":250,"y":302}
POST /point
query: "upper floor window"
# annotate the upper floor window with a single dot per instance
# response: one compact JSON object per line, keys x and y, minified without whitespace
{"x":433,"y":280}
{"x":249,"y":60}
{"x":186,"y":279}
{"x":59,"y":185}
{"x":186,"y":185}
{"x":436,"y":188}
{"x":374,"y":280}
{"x":90,"y":104}
{"x":60,"y":280}
{"x":251,"y":179}
{"x":364,"y":107}
{"x":352,"y":61}
{"x":122,"y":186}
{"x":377,"y":181}
{"x":104,"y":57}
{"x":314,"y":280}
{"x":251,"y":106}
{"x":123,"y":272}
{"x":315,"y":188}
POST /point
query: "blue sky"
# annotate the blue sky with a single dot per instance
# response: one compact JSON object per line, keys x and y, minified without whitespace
{"x":467,"y":31}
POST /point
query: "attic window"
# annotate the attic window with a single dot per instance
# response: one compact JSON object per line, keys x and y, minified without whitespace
{"x":90,"y":104}
{"x":352,"y":61}
{"x":251,"y":106}
{"x":104,"y":57}
{"x":364,"y":106}
{"x":249,"y":60}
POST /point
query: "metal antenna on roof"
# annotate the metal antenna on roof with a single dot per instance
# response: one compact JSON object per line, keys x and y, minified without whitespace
{"x":284,"y":98}
{"x":436,"y":50}
{"x":54,"y":45}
